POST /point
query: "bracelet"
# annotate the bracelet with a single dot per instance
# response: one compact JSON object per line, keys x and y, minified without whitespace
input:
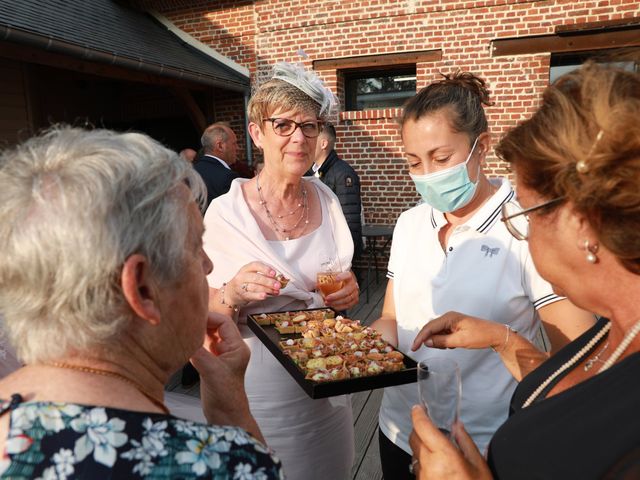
{"x":232,"y":307}
{"x":506,"y":340}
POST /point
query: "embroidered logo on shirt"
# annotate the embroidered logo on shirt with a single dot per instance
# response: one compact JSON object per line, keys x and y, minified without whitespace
{"x":348,"y":182}
{"x":489,"y":251}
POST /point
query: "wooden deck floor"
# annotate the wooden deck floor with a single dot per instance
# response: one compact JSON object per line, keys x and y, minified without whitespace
{"x":365,"y":404}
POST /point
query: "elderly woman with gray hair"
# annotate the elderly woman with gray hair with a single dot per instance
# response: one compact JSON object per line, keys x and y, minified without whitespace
{"x":279,"y":222}
{"x":104,"y":295}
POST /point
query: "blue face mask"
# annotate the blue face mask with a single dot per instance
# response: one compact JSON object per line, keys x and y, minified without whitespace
{"x":450,"y":189}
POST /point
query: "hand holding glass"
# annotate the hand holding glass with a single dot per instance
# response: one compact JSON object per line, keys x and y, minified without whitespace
{"x":326,"y":281}
{"x":440,"y":391}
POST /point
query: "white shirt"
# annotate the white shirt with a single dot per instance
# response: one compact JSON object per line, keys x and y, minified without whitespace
{"x":313,"y":438}
{"x":219,"y":159}
{"x":486,"y":273}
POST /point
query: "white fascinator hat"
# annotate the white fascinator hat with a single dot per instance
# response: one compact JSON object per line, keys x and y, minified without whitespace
{"x":309,"y":83}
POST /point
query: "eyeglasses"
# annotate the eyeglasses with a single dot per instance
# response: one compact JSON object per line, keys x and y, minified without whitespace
{"x":517,"y":220}
{"x":285,"y":127}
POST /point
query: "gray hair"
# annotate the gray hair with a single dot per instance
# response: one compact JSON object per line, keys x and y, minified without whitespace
{"x":74,"y":205}
{"x":212,"y":134}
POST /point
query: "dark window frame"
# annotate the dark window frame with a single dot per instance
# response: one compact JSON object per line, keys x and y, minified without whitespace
{"x":351,"y":77}
{"x":575,"y":59}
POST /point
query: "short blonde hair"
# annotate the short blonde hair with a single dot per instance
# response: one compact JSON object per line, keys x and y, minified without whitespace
{"x":74,"y":205}
{"x":279,"y":95}
{"x":292,"y":87}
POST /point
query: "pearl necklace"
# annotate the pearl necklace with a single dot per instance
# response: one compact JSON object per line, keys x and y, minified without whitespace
{"x":628,"y":338}
{"x":283,"y":231}
{"x":108,"y":373}
{"x":572,"y":361}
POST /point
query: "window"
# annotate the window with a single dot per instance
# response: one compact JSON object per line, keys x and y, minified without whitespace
{"x":373,"y":89}
{"x":562,"y":63}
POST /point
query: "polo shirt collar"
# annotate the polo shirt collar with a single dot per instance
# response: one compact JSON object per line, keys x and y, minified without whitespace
{"x":487,"y":215}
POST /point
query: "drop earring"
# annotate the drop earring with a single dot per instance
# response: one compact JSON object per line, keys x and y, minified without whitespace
{"x":591,"y":256}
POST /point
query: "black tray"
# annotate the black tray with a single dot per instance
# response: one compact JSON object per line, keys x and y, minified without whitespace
{"x":270,"y":337}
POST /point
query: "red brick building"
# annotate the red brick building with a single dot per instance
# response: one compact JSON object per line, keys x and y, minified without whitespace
{"x":511,"y":43}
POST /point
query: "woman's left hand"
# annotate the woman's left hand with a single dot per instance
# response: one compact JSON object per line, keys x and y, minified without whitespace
{"x":347,"y":296}
{"x":435,"y":456}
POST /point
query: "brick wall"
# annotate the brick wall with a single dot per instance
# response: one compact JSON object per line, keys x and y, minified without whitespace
{"x":259,"y":33}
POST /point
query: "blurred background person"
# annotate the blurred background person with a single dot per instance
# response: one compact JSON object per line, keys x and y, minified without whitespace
{"x":103,"y":305}
{"x":220,"y":147}
{"x":279,"y":222}
{"x":577,"y":169}
{"x":343,"y":180}
{"x":189,"y":154}
{"x":452,"y":256}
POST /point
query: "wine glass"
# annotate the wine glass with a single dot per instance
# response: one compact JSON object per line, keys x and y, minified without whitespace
{"x":440,"y":390}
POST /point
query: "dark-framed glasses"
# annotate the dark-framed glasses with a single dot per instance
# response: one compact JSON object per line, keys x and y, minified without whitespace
{"x":285,"y":127}
{"x":516,"y":219}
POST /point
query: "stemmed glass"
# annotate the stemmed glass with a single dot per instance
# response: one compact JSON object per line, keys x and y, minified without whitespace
{"x":440,"y":390}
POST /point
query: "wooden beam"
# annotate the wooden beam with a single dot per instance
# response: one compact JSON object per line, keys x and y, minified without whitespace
{"x":557,"y":43}
{"x":195,"y":114}
{"x":616,"y":24}
{"x":41,"y":57}
{"x":378,"y":61}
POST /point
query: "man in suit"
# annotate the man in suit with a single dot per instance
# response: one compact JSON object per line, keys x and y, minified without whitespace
{"x":340,"y":177}
{"x":220,"y":147}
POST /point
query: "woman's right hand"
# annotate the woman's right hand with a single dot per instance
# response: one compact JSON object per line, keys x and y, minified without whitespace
{"x":457,"y":330}
{"x":254,"y":282}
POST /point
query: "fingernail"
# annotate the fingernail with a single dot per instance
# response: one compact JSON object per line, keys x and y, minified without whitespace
{"x":276,"y":285}
{"x":415,"y":408}
{"x":429,"y":342}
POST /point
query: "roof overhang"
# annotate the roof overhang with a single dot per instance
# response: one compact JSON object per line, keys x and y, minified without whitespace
{"x":131,"y":39}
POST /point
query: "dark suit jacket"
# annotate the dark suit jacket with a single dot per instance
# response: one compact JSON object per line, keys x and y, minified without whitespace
{"x":216,"y":176}
{"x":340,"y":177}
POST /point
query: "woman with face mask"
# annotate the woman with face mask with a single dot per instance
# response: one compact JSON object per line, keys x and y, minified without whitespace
{"x":451,"y":258}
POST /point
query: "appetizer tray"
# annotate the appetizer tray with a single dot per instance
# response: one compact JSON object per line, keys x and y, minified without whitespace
{"x":282,"y":333}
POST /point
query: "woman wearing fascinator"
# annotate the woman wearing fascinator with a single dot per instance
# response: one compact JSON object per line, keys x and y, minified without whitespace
{"x":279,"y":223}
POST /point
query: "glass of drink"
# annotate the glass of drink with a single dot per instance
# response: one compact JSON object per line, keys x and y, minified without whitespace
{"x":326,"y":281}
{"x":440,"y":391}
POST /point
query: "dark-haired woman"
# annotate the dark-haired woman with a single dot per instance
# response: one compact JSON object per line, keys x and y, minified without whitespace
{"x":451,"y":257}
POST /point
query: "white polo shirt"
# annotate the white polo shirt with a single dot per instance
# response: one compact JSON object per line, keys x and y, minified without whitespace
{"x":486,"y":273}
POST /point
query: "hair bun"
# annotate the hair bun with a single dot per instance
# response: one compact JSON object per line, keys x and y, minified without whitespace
{"x":470,"y":82}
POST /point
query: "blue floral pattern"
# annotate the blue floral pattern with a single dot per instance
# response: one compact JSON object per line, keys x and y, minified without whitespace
{"x":67,"y":441}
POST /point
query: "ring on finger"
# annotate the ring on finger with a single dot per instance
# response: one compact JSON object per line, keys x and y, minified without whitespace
{"x":244,"y":286}
{"x":413,"y":466}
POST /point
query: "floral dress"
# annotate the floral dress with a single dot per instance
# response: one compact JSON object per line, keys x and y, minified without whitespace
{"x":65,"y":441}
